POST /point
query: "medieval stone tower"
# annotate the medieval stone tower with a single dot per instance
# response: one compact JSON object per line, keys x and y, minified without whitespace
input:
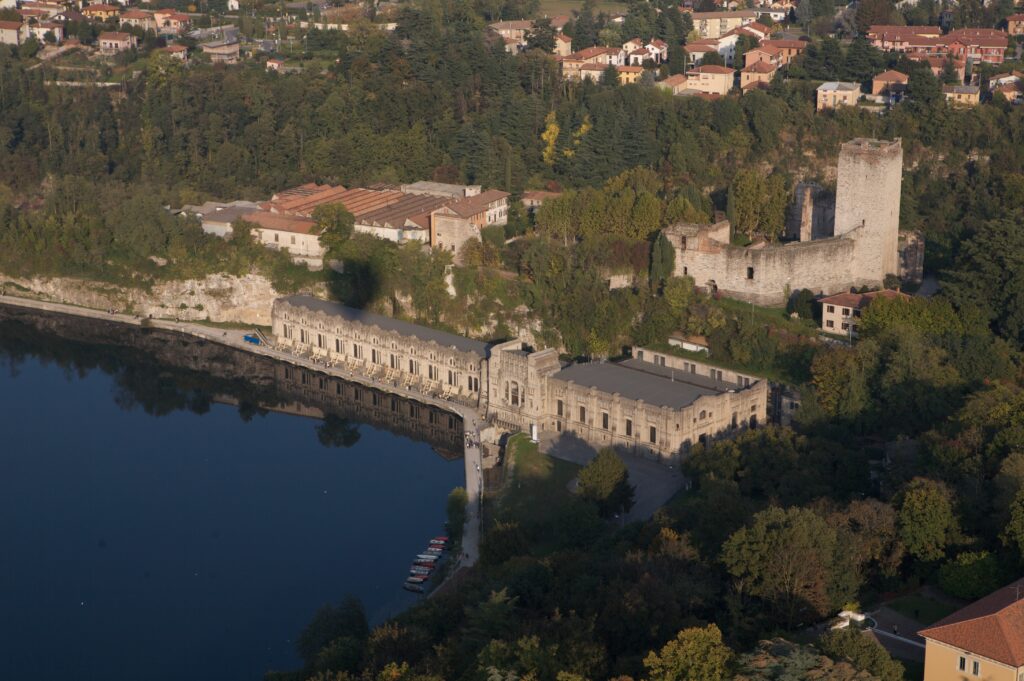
{"x":868,"y":205}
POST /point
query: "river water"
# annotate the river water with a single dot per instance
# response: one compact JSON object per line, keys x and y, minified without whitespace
{"x":152,"y":528}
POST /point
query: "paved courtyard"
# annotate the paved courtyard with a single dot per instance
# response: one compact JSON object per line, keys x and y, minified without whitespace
{"x":655,"y":483}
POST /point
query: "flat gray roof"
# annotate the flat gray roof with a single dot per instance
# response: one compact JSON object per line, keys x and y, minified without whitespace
{"x":637,"y":385}
{"x":423,"y":333}
{"x":678,"y":375}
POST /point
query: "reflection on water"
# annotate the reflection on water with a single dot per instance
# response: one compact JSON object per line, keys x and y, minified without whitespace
{"x":186,"y":528}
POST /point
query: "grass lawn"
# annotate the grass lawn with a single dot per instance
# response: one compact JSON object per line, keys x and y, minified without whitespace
{"x":921,"y":608}
{"x":776,"y":316}
{"x":537,"y":489}
{"x":553,"y":8}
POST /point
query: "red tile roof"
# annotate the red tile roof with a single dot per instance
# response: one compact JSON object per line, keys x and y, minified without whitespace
{"x":712,"y":68}
{"x":783,"y":44}
{"x":761,"y":67}
{"x":10,"y":25}
{"x":992,"y":627}
{"x":92,"y":9}
{"x":861,"y":300}
{"x":115,"y":35}
{"x":474,"y":205}
{"x":281,"y":223}
{"x":892,"y":76}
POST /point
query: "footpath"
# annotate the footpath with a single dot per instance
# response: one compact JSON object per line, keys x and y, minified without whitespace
{"x":235,"y":338}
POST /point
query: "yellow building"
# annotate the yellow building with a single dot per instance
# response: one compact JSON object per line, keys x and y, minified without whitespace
{"x":836,"y":94}
{"x":984,"y":640}
{"x":711,"y":79}
{"x":629,"y":74}
{"x":962,"y":95}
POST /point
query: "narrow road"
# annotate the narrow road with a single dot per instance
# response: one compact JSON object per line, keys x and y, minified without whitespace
{"x":235,"y":338}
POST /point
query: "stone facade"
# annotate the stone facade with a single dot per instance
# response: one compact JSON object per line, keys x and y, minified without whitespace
{"x":388,"y":349}
{"x":868,"y":189}
{"x":647,"y":404}
{"x":859,"y":248}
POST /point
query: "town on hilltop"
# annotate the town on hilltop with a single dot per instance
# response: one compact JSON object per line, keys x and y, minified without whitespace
{"x":722,"y":301}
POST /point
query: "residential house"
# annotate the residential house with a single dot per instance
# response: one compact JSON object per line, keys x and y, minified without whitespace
{"x":769,"y":55}
{"x":629,"y":74}
{"x":455,"y":223}
{"x":840,"y":314}
{"x":1015,"y":24}
{"x":100,"y":12}
{"x":532,"y":200}
{"x":716,"y":24}
{"x":674,"y":84}
{"x":274,"y":64}
{"x":604,"y":56}
{"x":938,"y":65}
{"x":900,"y":38}
{"x":563,"y":45}
{"x":513,"y":30}
{"x":222,"y":51}
{"x":299,"y":237}
{"x":559,"y":21}
{"x":169,"y":22}
{"x":635,"y":44}
{"x":140,"y":19}
{"x":591,"y":72}
{"x":755,"y":30}
{"x":757,"y":75}
{"x":962,"y":95}
{"x":711,"y":79}
{"x":12,"y":33}
{"x":179,"y":52}
{"x":49,"y":10}
{"x":835,"y":94}
{"x":112,"y":42}
{"x":984,"y":640}
{"x":724,"y":45}
{"x":788,"y":49}
{"x":975,"y":44}
{"x":1009,"y":85}
{"x":33,"y":15}
{"x":40,"y":29}
{"x":891,"y":83}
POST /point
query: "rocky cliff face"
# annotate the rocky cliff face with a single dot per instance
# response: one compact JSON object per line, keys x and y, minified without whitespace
{"x":217,"y":297}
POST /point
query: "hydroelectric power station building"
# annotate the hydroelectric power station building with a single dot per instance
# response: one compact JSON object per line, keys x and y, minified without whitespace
{"x":653,"y":403}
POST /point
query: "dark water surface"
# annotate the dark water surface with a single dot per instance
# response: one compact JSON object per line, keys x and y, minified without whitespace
{"x":193,"y":544}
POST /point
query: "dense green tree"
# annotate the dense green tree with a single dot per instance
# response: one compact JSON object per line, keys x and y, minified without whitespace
{"x":927,"y":520}
{"x":789,"y":559}
{"x":971,"y":575}
{"x":663,"y":260}
{"x":541,"y":36}
{"x":605,"y":481}
{"x":695,"y":654}
{"x":757,"y":204}
{"x":863,"y":652}
{"x":336,"y":225}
